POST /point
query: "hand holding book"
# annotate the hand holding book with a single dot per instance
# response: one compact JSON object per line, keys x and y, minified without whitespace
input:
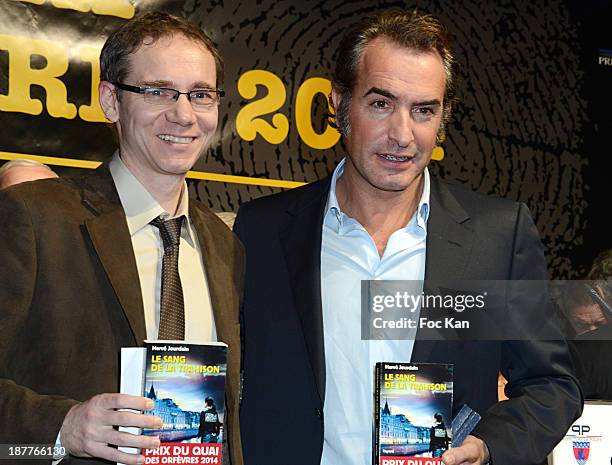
{"x":88,"y":429}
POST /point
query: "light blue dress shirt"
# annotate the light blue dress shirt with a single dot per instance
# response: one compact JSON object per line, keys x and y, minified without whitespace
{"x":349,"y":255}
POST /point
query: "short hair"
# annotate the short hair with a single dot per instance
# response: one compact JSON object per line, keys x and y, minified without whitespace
{"x":410,"y":29}
{"x":149,"y":28}
{"x":601,"y":269}
{"x":22,"y":162}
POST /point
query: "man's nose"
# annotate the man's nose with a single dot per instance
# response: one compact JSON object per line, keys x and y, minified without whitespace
{"x":181,"y":112}
{"x":400,"y":128}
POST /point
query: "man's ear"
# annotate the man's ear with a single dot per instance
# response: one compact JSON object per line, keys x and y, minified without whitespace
{"x":109,"y":101}
{"x":336,"y":97}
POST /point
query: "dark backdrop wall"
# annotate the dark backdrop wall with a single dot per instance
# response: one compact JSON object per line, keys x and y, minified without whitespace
{"x":532,"y":123}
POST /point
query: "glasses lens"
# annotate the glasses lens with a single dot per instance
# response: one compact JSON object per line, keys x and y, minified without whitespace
{"x":204,"y":98}
{"x":158,"y":96}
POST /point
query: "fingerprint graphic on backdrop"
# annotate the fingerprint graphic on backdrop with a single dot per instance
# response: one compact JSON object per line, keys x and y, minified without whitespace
{"x":515,"y":133}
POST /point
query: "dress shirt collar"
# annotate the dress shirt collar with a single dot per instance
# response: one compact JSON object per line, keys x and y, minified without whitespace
{"x":139,"y":205}
{"x":333,"y":211}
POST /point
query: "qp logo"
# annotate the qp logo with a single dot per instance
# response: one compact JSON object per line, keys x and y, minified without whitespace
{"x":581,"y":451}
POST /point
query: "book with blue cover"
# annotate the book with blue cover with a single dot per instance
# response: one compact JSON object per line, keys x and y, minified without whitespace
{"x":186,"y":383}
{"x":413,"y":404}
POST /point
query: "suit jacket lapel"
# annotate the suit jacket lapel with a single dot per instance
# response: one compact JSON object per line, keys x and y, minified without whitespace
{"x":301,"y":241}
{"x":220,"y":290}
{"x":450,"y":239}
{"x":450,"y":236}
{"x":109,"y":234}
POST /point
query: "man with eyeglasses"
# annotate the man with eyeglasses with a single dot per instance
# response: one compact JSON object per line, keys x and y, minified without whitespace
{"x":119,"y":255}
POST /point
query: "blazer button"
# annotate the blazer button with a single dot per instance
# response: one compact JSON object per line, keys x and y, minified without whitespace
{"x":318,"y":413}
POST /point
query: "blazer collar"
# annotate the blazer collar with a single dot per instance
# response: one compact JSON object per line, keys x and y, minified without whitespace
{"x":450,"y":239}
{"x":449,"y":235}
{"x":217,"y":288}
{"x":301,"y":241}
{"x":109,"y":234}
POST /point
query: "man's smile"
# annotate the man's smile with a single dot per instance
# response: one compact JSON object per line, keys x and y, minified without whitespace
{"x":395,"y":158}
{"x":175,"y":139}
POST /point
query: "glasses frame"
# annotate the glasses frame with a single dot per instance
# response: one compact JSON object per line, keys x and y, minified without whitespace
{"x":598,"y":299}
{"x":143,"y":89}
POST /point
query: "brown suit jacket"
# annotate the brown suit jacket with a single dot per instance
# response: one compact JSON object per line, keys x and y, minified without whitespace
{"x":70,"y":299}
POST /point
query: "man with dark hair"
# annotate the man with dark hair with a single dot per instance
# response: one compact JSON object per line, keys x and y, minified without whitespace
{"x":120,"y":255}
{"x":308,"y":376}
{"x":587,"y":306}
{"x":589,"y":311}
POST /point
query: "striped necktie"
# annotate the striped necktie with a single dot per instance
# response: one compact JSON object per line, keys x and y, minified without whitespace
{"x":172,"y":306}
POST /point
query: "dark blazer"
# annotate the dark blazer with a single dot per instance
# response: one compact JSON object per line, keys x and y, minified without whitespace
{"x":469,"y":236}
{"x":70,"y":297}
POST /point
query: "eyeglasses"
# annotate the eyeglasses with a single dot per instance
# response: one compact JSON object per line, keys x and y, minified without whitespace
{"x":201,"y":99}
{"x":599,"y":300}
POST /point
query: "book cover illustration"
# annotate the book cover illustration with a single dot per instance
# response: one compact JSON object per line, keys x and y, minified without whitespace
{"x":413,"y":406}
{"x":187,"y":385}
